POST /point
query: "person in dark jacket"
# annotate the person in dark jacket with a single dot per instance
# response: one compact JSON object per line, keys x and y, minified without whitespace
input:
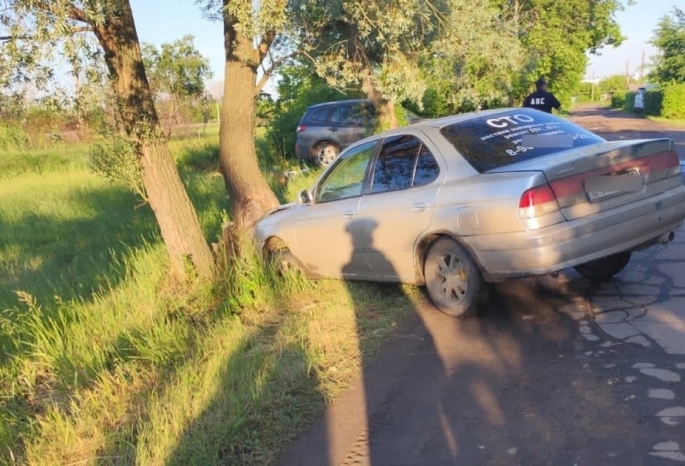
{"x":541,"y":99}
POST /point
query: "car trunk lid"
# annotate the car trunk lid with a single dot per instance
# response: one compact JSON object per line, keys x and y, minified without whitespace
{"x":603,"y":176}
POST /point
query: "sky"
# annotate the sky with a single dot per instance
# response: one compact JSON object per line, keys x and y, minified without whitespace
{"x":160,"y":21}
{"x":638,"y":23}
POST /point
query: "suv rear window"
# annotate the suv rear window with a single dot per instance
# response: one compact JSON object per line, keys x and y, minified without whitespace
{"x":504,"y":138}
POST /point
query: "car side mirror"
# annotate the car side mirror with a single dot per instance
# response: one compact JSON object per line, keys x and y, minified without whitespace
{"x":305,"y":197}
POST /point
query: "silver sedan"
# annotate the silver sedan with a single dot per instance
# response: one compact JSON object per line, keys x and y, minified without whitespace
{"x":457,"y":202}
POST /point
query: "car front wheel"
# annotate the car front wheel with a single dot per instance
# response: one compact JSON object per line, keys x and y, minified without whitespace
{"x":282,"y":261}
{"x":605,"y":267}
{"x":325,"y":153}
{"x":453,"y":281}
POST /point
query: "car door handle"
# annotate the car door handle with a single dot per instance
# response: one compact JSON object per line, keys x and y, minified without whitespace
{"x":350,"y":214}
{"x":419,"y":206}
{"x":333,"y":130}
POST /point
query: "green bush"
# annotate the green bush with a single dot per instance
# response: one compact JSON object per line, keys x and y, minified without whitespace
{"x":629,"y":104}
{"x":673,"y":101}
{"x":12,"y":137}
{"x":653,"y":102}
{"x":618,"y":99}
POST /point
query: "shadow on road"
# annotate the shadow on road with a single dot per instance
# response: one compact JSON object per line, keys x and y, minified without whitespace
{"x":511,"y":386}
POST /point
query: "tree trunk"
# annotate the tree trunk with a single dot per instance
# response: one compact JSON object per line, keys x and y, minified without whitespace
{"x":251,"y":197}
{"x":166,"y":194}
{"x":355,"y":53}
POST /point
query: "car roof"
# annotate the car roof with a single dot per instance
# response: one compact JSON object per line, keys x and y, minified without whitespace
{"x":440,"y":123}
{"x":338,"y":102}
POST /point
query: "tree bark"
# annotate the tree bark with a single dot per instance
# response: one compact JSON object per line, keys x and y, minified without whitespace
{"x":384,"y":107}
{"x":251,"y":197}
{"x":175,"y":214}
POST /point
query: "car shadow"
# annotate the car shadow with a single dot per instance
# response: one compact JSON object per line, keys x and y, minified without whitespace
{"x":514,"y":385}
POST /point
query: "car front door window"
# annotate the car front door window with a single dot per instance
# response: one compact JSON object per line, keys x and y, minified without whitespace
{"x":346,"y":178}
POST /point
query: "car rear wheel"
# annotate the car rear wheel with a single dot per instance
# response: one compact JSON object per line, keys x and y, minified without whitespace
{"x":605,"y":267}
{"x":453,"y":281}
{"x":324,"y":153}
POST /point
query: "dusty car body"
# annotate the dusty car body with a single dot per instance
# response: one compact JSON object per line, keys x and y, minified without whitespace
{"x":455,"y":202}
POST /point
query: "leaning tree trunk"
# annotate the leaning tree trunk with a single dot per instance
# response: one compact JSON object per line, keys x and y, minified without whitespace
{"x":384,"y":107}
{"x":166,"y":194}
{"x":250,"y":195}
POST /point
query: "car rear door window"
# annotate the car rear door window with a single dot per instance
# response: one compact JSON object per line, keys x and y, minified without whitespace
{"x":346,"y":178}
{"x":403,"y":162}
{"x":427,"y":169}
{"x":340,"y":114}
{"x":321,"y":115}
{"x":500,"y":139}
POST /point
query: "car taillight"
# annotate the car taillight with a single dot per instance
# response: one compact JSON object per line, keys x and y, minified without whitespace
{"x":673,"y":164}
{"x":661,"y":165}
{"x":538,"y":201}
{"x":300,"y":128}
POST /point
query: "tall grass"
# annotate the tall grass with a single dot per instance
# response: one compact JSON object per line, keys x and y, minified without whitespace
{"x":106,"y":359}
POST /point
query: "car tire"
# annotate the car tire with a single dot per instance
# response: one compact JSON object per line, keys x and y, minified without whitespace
{"x":605,"y":267}
{"x":453,"y":281}
{"x":324,"y":153}
{"x":282,"y":261}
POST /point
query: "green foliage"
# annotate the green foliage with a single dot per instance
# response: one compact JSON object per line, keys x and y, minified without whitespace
{"x":462,"y":74}
{"x":401,"y":50}
{"x":673,"y":101}
{"x":613,"y":83}
{"x":115,"y":158}
{"x":555,"y":43}
{"x":629,"y":104}
{"x":177,"y":73}
{"x":653,"y":102}
{"x":669,"y":39}
{"x":177,"y":68}
{"x":618,"y":99}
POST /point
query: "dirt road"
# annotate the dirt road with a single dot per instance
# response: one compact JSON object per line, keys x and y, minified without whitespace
{"x":542,"y":378}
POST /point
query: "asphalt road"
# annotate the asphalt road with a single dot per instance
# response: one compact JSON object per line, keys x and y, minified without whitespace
{"x":556,"y":371}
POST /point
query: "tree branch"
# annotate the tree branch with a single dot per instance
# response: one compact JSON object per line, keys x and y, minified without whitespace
{"x":74,"y":12}
{"x":265,"y":45}
{"x":82,"y":29}
{"x":270,"y":71}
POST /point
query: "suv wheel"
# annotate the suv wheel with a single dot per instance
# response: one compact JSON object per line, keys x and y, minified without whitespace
{"x":324,"y":153}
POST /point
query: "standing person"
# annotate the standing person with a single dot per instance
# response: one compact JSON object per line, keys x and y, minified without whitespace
{"x":541,"y":99}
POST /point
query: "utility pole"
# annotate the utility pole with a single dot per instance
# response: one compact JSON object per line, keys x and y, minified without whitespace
{"x":642,"y":66}
{"x":627,"y":74}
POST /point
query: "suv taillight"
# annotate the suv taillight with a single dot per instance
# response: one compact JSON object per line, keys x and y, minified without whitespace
{"x":300,"y":128}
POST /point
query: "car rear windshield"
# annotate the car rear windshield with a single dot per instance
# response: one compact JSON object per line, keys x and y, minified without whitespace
{"x":501,"y":139}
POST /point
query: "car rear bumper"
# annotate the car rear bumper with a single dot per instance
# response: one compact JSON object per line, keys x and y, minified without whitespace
{"x":568,"y":244}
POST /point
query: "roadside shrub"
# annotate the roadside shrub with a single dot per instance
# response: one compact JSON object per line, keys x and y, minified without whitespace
{"x":618,"y":99}
{"x":581,"y":99}
{"x":629,"y":103}
{"x":653,"y":102}
{"x":673,"y":101}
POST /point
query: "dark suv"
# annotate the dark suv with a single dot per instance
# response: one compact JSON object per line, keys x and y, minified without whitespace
{"x":327,"y":128}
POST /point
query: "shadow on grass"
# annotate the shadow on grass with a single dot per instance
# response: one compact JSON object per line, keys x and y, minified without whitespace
{"x":71,"y":257}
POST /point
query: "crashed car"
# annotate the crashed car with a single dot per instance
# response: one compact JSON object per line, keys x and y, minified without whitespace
{"x":458,"y":202}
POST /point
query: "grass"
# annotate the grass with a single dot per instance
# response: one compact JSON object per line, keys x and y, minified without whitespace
{"x":668,"y":121}
{"x":106,"y":360}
